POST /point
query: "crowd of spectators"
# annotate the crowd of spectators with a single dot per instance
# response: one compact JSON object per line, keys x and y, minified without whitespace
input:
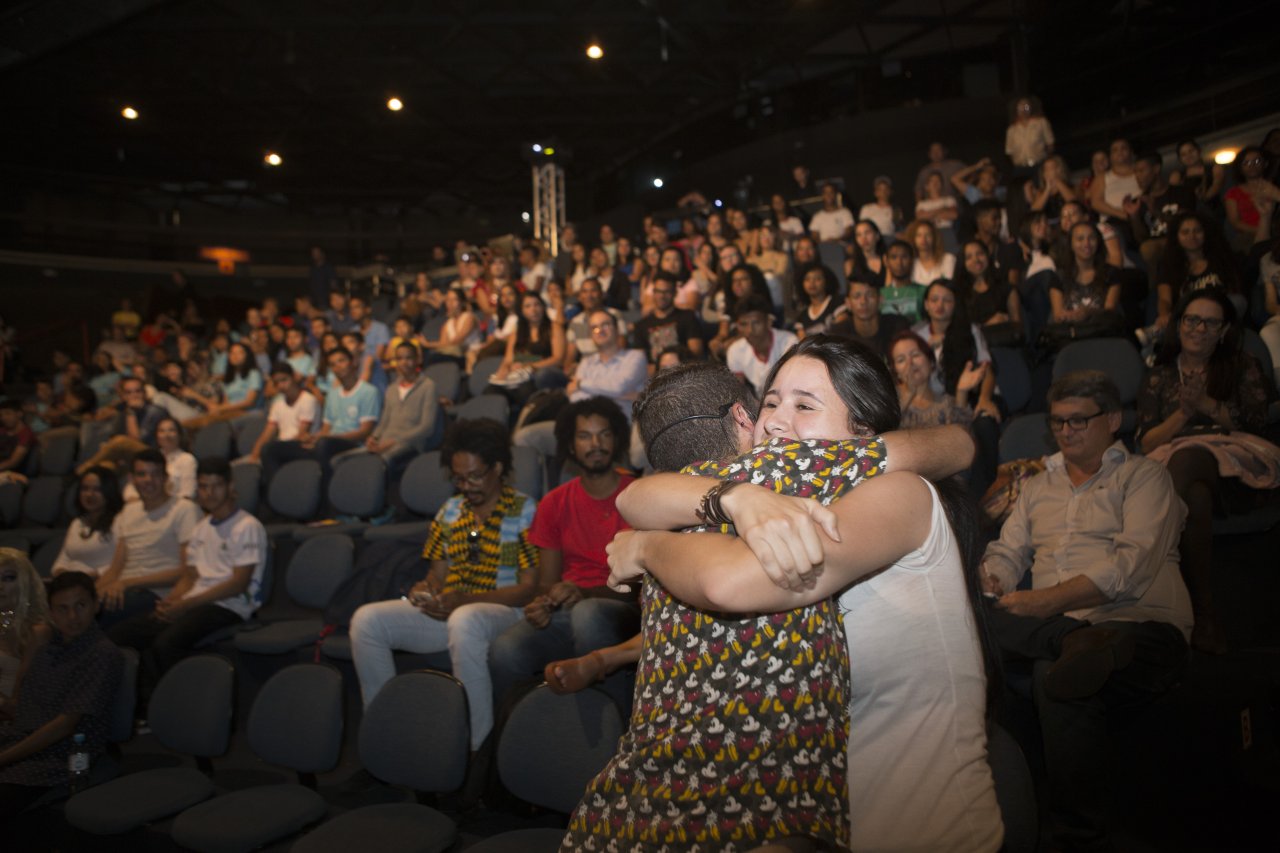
{"x":1179,"y":258}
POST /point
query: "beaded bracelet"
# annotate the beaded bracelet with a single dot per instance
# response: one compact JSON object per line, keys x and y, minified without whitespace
{"x":710,"y":512}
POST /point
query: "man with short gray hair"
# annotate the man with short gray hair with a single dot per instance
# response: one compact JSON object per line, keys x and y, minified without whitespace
{"x":1107,"y":618}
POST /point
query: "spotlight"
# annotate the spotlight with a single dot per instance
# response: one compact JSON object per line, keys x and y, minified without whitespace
{"x":1225,"y":157}
{"x":525,"y":217}
{"x":657,"y":183}
{"x":594,"y":51}
{"x":719,"y":203}
{"x":395,"y":104}
{"x":272,"y":159}
{"x":130,"y":113}
{"x":549,"y":151}
{"x":537,"y":149}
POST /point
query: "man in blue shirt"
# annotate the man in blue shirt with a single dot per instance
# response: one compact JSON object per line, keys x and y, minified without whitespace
{"x":351,"y":411}
{"x":376,"y":337}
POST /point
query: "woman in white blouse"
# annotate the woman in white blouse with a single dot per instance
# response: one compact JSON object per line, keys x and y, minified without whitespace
{"x":932,"y":261}
{"x":179,"y":464}
{"x":88,"y":546}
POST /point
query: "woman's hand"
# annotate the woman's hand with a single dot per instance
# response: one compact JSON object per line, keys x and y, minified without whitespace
{"x":782,"y":532}
{"x":988,"y":408}
{"x":971,"y":377}
{"x":998,"y":317}
{"x":626,"y":559}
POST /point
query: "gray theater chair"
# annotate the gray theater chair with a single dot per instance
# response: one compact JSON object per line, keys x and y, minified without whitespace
{"x":415,"y":734}
{"x":357,"y":488}
{"x":1116,"y":357}
{"x":246,"y":429}
{"x":247,"y":479}
{"x":295,"y":722}
{"x":10,"y":504}
{"x":190,"y":712}
{"x":530,"y":473}
{"x":447,"y":378}
{"x":1014,"y":377}
{"x":294,"y":492}
{"x":43,"y":514}
{"x":1026,"y":437}
{"x":424,"y":488}
{"x":494,"y":406}
{"x":213,"y":441}
{"x":479,"y":378}
{"x":58,"y":452}
{"x":318,"y":567}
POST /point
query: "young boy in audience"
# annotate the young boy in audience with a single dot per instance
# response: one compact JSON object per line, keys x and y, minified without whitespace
{"x":16,"y":438}
{"x":67,"y":690}
{"x":296,"y":355}
{"x":292,"y":414}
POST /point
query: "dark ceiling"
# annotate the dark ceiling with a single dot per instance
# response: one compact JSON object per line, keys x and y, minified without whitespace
{"x":220,"y":82}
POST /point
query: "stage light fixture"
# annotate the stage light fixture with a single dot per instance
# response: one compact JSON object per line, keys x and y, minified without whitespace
{"x":549,"y":151}
{"x":594,"y":51}
{"x":130,"y":113}
{"x":537,"y":149}
{"x":395,"y":104}
{"x":1225,"y":157}
{"x":525,"y":217}
{"x":657,"y":183}
{"x":719,"y":203}
{"x":272,"y":159}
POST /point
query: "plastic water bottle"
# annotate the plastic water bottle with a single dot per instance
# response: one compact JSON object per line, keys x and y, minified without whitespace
{"x":77,"y":764}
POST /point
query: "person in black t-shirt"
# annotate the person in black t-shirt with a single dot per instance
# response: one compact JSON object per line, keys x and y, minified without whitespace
{"x":1151,"y":214}
{"x":666,"y":325}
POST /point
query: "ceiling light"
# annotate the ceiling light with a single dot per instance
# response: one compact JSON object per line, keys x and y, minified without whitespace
{"x":549,"y":151}
{"x":719,"y":203}
{"x":594,"y":51}
{"x":525,"y":216}
{"x":130,"y":113}
{"x":537,"y":149}
{"x":272,"y":159}
{"x":657,"y":183}
{"x":1225,"y":156}
{"x":395,"y":104}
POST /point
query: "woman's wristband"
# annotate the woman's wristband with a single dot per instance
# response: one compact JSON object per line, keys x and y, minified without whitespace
{"x":709,"y":511}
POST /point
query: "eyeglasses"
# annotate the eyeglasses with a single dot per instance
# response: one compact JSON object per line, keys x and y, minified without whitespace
{"x":602,"y":327}
{"x":475,"y":478}
{"x":1191,"y":322}
{"x":1255,"y":161}
{"x":1076,"y":422}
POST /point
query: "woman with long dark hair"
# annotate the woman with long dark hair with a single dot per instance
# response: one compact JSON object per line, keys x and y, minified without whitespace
{"x":1196,"y":256}
{"x":818,"y":303}
{"x":1202,"y":384}
{"x":1253,"y":164}
{"x":240,"y":389}
{"x":89,"y":546}
{"x":920,"y":671}
{"x":1086,"y":285}
{"x":742,"y":282}
{"x":534,"y":356}
{"x":956,"y":342}
{"x":866,"y":258}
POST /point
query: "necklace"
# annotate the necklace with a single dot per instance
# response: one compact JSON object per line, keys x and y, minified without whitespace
{"x":6,"y":621}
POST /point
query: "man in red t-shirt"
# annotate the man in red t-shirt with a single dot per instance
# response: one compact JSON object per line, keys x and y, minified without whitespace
{"x":575,"y":612}
{"x":17,"y":440}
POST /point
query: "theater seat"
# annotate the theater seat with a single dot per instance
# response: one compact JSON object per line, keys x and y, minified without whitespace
{"x":318,"y":567}
{"x":296,"y":722}
{"x":415,"y":734}
{"x":190,"y":712}
{"x":424,"y":488}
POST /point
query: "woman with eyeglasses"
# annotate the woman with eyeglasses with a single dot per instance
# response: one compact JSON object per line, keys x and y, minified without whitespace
{"x":1202,"y":384}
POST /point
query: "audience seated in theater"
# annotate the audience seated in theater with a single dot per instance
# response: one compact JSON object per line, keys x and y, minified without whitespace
{"x":932,"y":261}
{"x":338,"y":315}
{"x":900,"y":295}
{"x":1106,"y":620}
{"x":834,"y":222}
{"x":1107,"y":195}
{"x":150,"y":536}
{"x":1267,"y":252}
{"x":179,"y":463}
{"x":746,"y":238}
{"x":324,"y":379}
{"x":758,"y":346}
{"x":220,"y":585}
{"x":89,"y":545}
{"x":409,"y":409}
{"x":351,"y":410}
{"x":913,"y":364}
{"x":818,"y":305}
{"x":16,"y":438}
{"x":579,"y":267}
{"x":535,"y":354}
{"x":534,"y":273}
{"x":67,"y":690}
{"x":703,"y":282}
{"x":1205,"y":392}
{"x":666,"y":325}
{"x":782,"y":217}
{"x":863,"y":321}
{"x":296,"y":354}
{"x":26,"y":612}
{"x":483,"y":571}
{"x":610,"y":371}
{"x":990,"y":227}
{"x":609,"y":242}
{"x":1205,"y":180}
{"x":575,"y":612}
{"x":131,"y":423}
{"x":292,"y":413}
{"x":369,"y":368}
{"x":773,"y":262}
{"x":978,"y":182}
{"x":579,"y":340}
